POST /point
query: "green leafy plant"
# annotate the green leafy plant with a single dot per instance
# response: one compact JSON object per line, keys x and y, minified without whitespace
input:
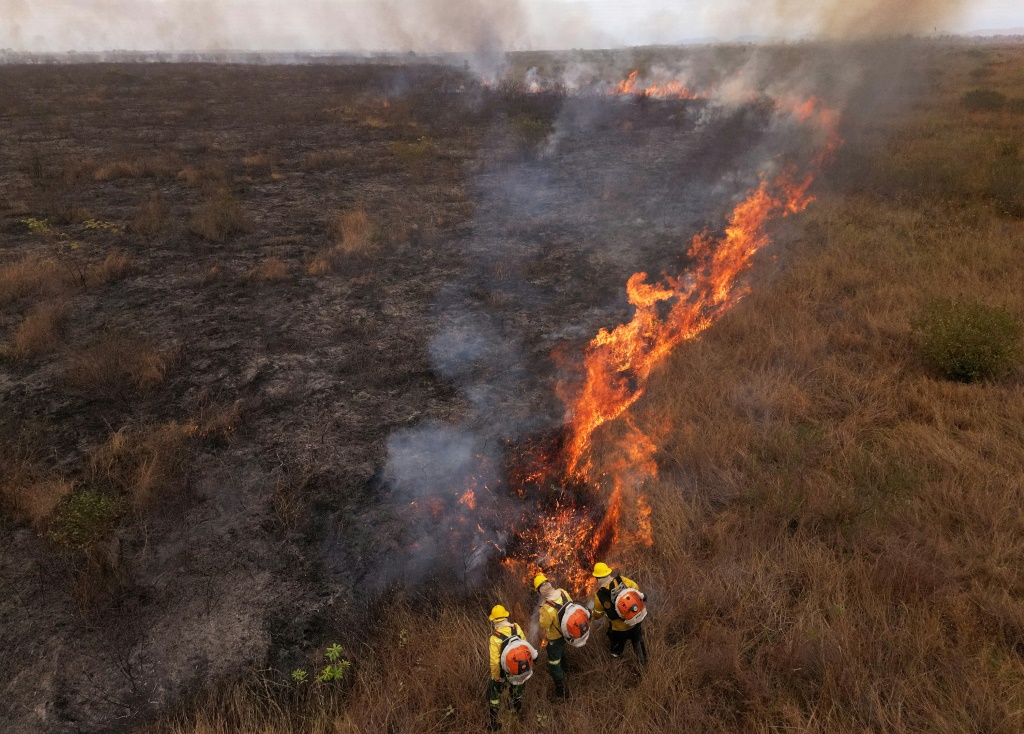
{"x":83,"y":518}
{"x":99,"y":224}
{"x":38,"y":226}
{"x":335,"y":670}
{"x":968,"y":341}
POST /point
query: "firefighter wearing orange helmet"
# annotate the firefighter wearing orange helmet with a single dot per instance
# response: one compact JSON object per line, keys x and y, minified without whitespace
{"x":511,"y":657}
{"x":562,"y":622}
{"x":619,"y":598}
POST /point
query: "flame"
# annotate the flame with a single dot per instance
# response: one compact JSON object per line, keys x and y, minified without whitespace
{"x":619,"y":362}
{"x":586,"y":484}
{"x":670,"y":90}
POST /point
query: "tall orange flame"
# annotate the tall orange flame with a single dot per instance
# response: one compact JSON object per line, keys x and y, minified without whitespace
{"x":618,"y":363}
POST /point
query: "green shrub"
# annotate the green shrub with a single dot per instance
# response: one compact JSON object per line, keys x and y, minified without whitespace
{"x":983,"y":100}
{"x":83,"y":518}
{"x":968,"y":341}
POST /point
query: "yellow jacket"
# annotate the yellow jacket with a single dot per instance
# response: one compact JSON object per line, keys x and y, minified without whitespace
{"x":505,"y":628}
{"x":617,"y":624}
{"x":549,"y":617}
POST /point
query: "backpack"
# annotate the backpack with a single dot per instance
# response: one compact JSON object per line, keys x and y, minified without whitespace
{"x":573,"y":621}
{"x":622,"y":603}
{"x":517,"y":656}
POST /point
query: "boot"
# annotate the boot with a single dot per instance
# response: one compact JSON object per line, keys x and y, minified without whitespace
{"x":561,"y":691}
{"x":494,"y":724}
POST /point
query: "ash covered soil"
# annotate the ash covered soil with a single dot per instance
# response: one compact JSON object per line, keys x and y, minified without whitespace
{"x":490,"y":211}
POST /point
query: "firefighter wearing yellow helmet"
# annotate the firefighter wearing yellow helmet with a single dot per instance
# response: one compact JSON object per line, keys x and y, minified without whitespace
{"x":511,"y":659}
{"x":619,"y":598}
{"x":553,"y":601}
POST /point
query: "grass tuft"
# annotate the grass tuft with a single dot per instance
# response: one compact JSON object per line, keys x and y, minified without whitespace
{"x":968,"y":342}
{"x":219,"y":217}
{"x":117,"y":363}
{"x":40,"y":331}
{"x":271,"y":270}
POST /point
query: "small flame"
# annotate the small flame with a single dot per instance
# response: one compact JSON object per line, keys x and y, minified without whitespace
{"x":671,"y":90}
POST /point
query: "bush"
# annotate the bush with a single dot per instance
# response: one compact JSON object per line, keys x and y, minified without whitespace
{"x":983,"y":100}
{"x":968,"y":341}
{"x":83,"y":518}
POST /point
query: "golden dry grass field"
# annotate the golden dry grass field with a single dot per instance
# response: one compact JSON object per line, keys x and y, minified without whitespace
{"x":838,"y":527}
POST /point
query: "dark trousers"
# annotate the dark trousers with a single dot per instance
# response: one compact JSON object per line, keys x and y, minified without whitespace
{"x":635,"y":635}
{"x":556,"y":660}
{"x":497,"y":687}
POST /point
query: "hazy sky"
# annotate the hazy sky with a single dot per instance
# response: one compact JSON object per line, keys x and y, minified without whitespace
{"x":86,"y":25}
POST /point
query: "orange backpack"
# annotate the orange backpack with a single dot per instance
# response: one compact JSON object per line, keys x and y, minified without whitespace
{"x":630,"y":606}
{"x":573,"y":621}
{"x":622,"y":603}
{"x":517,"y":656}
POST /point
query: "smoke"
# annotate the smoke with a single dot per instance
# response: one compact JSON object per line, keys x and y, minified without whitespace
{"x":479,"y":27}
{"x":265,"y":25}
{"x":839,"y":19}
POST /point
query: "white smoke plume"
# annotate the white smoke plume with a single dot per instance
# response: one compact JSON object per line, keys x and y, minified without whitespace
{"x":464,"y":26}
{"x":839,"y":19}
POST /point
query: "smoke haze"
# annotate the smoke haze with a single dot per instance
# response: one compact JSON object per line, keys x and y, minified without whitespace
{"x":476,"y":26}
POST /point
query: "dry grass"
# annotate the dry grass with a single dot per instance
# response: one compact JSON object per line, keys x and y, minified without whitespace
{"x":353,"y":235}
{"x":28,"y":493}
{"x":151,"y":216}
{"x":114,"y":266}
{"x":261,"y":162}
{"x":34,"y":275}
{"x":155,"y":166}
{"x":273,"y":269}
{"x":323,"y":160}
{"x":30,"y":276}
{"x":219,"y":217}
{"x":837,"y":533}
{"x":140,"y":462}
{"x":116,"y":363}
{"x":40,"y":331}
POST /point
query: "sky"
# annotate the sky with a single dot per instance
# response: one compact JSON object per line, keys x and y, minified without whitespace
{"x":447,"y":25}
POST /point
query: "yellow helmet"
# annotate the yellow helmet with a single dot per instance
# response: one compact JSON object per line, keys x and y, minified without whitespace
{"x":499,"y":612}
{"x":538,"y":580}
{"x":601,"y":570}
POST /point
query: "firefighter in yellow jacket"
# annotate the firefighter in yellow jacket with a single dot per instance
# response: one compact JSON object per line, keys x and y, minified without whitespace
{"x":610,"y":586}
{"x":506,"y":634}
{"x":552,"y":600}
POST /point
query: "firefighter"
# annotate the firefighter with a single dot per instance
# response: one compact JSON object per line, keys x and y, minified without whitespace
{"x":511,"y":659}
{"x":619,"y":598}
{"x":552,"y":601}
